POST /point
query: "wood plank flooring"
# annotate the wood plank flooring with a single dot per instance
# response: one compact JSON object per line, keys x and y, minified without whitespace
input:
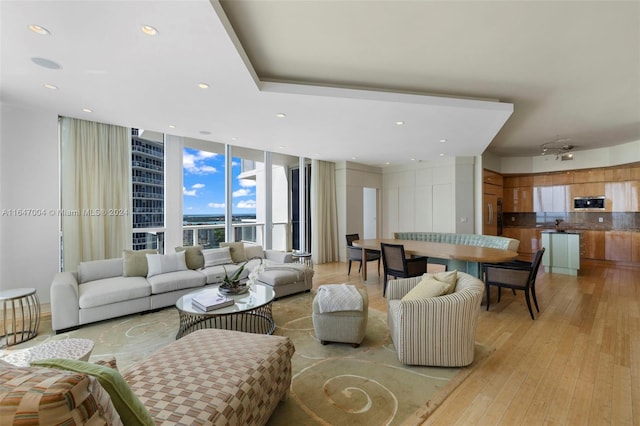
{"x":578,"y":363}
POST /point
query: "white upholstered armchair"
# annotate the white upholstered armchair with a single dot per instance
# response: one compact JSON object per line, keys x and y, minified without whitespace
{"x":438,"y":331}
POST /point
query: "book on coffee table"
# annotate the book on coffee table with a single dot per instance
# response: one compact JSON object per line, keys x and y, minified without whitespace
{"x":209,"y":301}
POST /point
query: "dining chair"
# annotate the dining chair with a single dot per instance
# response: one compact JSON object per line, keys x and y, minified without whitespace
{"x":516,"y":275}
{"x":355,"y":253}
{"x":396,"y":264}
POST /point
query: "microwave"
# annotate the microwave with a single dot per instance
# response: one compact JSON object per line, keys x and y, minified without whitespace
{"x":591,"y":203}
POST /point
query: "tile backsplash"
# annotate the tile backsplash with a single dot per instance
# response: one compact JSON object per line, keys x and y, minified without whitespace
{"x":602,"y":221}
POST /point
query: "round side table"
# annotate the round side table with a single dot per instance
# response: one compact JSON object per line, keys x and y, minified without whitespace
{"x":303,"y":257}
{"x":20,"y":315}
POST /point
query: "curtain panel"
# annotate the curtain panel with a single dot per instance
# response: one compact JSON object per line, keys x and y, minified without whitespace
{"x":95,"y":191}
{"x":324,"y":213}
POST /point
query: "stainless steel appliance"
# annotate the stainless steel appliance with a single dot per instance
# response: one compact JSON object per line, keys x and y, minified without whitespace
{"x":589,"y":203}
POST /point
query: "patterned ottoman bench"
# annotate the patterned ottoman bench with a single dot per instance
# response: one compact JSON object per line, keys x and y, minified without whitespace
{"x":214,"y":377}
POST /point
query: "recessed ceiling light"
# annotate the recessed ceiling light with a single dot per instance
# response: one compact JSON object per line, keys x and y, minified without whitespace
{"x":203,"y":85}
{"x":205,"y":132}
{"x":353,"y":158}
{"x":281,"y":115}
{"x":172,"y":126}
{"x":387,"y":163}
{"x":413,"y":159}
{"x":50,"y":86}
{"x":149,"y":30}
{"x":399,"y":123}
{"x":47,"y":63}
{"x":443,"y":140}
{"x":39,"y":30}
{"x":87,"y":110}
{"x":441,"y":155}
{"x":234,"y":138}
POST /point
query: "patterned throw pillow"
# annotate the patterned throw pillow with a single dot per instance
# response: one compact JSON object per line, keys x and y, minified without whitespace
{"x":215,"y":257}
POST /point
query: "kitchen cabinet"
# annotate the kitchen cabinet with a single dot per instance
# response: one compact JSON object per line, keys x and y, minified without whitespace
{"x":617,"y":246}
{"x":529,"y":241}
{"x":635,"y":247}
{"x":562,"y":252}
{"x":592,"y":245}
{"x":550,"y":199}
{"x":587,"y":176}
{"x":518,"y":199}
{"x":492,"y":202}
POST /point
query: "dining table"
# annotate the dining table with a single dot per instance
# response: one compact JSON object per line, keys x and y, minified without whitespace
{"x":462,"y":257}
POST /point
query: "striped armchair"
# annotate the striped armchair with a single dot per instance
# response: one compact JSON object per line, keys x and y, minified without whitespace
{"x":438,"y":331}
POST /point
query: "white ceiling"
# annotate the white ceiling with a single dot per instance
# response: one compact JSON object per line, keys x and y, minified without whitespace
{"x":343,"y":72}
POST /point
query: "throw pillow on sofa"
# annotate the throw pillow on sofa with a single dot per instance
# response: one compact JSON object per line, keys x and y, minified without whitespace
{"x":238,"y":254}
{"x":127,"y":404}
{"x":135,"y":262}
{"x":215,"y":257}
{"x":193,"y":256}
{"x":163,"y":263}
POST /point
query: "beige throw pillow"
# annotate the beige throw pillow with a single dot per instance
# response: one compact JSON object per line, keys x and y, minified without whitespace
{"x":193,"y":256}
{"x":216,"y":257}
{"x":164,"y":263}
{"x":135,"y":262}
{"x":433,"y":285}
{"x":237,"y":251}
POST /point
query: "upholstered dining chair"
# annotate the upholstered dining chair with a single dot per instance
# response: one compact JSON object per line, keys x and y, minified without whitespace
{"x":396,"y":264}
{"x":355,"y":253}
{"x":516,"y":275}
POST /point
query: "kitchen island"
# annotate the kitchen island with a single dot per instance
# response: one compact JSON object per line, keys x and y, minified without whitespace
{"x":562,"y":255}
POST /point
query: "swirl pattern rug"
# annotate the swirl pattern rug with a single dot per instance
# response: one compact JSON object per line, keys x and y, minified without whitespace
{"x":332,"y":384}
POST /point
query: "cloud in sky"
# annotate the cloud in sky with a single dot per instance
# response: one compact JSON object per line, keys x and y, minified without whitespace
{"x":194,"y":163}
{"x":216,"y":205}
{"x":194,"y":188}
{"x":197,"y":185}
{"x":246,"y":204}
{"x":241,"y":193}
{"x":247,"y":183}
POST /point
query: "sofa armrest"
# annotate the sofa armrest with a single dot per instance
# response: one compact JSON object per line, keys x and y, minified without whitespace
{"x":397,"y":289}
{"x":65,"y":309}
{"x":278,"y":256}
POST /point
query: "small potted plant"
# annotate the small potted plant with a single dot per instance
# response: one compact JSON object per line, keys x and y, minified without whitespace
{"x":233,"y":285}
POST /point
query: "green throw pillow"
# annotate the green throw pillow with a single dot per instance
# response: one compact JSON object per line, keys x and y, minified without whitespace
{"x":193,"y":256}
{"x":237,"y":251}
{"x":135,"y":262}
{"x":129,"y":407}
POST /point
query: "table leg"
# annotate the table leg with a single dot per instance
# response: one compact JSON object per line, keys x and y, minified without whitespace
{"x":364,"y":264}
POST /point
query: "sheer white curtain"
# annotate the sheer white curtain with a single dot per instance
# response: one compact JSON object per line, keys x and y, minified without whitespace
{"x":95,"y":180}
{"x":324,"y":212}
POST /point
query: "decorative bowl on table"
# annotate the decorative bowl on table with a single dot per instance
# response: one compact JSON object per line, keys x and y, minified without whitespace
{"x":233,"y":288}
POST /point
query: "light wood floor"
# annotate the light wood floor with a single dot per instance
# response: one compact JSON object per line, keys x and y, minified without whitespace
{"x":578,"y":363}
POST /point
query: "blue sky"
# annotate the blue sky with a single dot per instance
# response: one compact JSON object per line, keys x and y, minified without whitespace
{"x":203,"y":190}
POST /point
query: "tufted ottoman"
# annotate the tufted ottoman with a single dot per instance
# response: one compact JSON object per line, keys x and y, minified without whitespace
{"x":341,"y":326}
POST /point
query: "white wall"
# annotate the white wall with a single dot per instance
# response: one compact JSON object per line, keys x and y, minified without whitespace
{"x":29,"y":179}
{"x":351,"y":179}
{"x":601,"y":157}
{"x":429,"y":196}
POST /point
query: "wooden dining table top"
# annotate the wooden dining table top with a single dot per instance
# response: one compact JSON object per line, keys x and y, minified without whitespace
{"x":443,"y":250}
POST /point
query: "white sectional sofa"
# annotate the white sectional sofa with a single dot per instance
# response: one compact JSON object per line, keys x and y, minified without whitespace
{"x":135,"y":283}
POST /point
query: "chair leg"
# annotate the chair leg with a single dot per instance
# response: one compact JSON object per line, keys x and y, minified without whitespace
{"x":488,"y":291}
{"x":384,"y":285}
{"x":499,"y":294}
{"x":535,"y":299}
{"x":349,"y":273}
{"x":526,"y":295}
{"x":378,"y":266}
{"x":360,"y":267}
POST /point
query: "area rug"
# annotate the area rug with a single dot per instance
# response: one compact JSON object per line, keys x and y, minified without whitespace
{"x":332,"y":384}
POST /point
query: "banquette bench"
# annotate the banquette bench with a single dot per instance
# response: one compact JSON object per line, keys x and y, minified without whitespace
{"x":490,"y":241}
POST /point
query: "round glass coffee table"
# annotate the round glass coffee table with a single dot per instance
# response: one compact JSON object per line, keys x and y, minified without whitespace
{"x":251,"y":312}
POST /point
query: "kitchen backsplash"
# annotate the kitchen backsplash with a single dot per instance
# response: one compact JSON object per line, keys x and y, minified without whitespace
{"x":603,"y":221}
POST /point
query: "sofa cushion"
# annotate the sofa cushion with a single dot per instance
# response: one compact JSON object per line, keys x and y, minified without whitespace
{"x":99,"y":269}
{"x":237,"y":251}
{"x":177,"y":280}
{"x":129,"y":407}
{"x":37,"y":395}
{"x":112,"y":290}
{"x":193,"y":256}
{"x":276,"y":275}
{"x":135,"y":262}
{"x":163,"y":263}
{"x":215,"y":257}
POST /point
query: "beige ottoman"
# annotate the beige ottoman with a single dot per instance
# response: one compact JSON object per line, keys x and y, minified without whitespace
{"x":341,"y":326}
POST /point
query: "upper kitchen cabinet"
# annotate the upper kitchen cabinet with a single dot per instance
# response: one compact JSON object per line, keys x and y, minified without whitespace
{"x":551,"y":199}
{"x":518,"y":194}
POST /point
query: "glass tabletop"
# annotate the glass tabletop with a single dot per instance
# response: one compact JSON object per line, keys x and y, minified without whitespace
{"x":257,"y":296}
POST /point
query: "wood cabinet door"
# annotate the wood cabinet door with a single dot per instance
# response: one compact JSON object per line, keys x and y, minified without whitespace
{"x":617,"y":246}
{"x":507,"y":200}
{"x":525,"y":199}
{"x":635,"y":247}
{"x":593,"y":245}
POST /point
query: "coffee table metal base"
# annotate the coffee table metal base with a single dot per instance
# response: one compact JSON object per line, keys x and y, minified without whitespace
{"x":258,"y":320}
